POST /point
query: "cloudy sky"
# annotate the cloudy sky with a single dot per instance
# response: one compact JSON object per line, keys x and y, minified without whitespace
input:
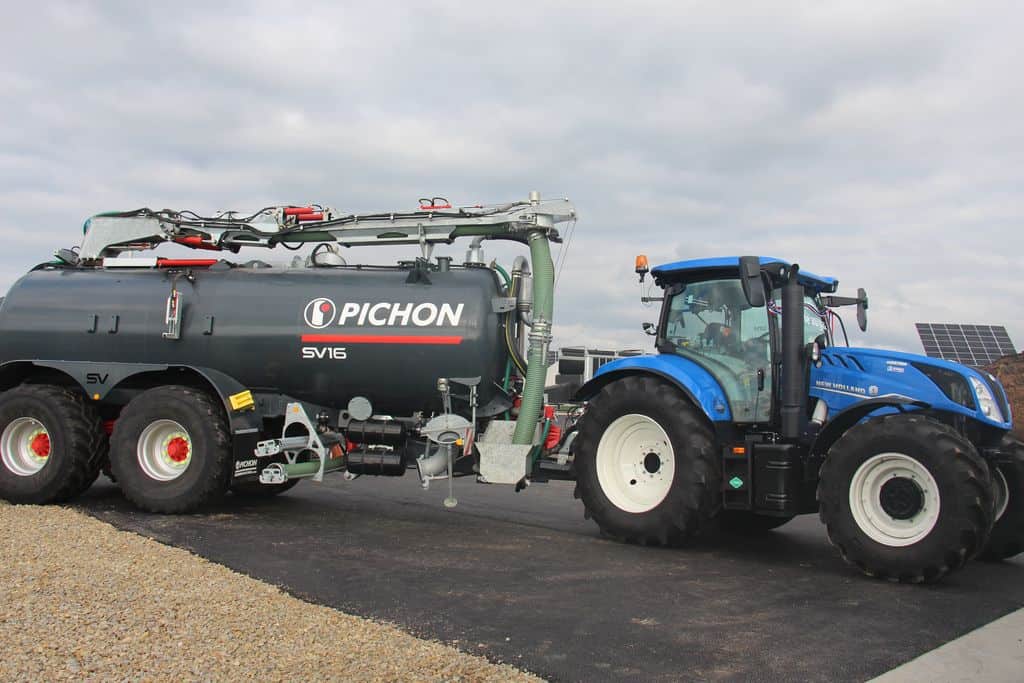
{"x":884,"y":145}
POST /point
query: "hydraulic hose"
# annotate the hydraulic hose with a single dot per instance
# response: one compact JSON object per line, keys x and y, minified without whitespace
{"x":539,"y":448}
{"x":540,"y":338}
{"x":510,"y":325}
{"x":504,"y":275}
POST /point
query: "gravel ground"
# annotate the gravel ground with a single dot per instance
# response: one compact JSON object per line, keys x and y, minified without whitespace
{"x":80,"y":600}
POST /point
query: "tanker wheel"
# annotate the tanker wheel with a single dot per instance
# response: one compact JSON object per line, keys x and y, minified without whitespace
{"x":743,"y":523}
{"x":646,"y":464}
{"x":171,"y":450}
{"x":51,"y":444}
{"x":905,"y":498}
{"x":1007,"y":537}
{"x":254,"y":489}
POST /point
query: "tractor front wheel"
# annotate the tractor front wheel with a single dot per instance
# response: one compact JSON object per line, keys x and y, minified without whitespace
{"x":646,"y":464}
{"x":1007,"y":537}
{"x":905,"y":498}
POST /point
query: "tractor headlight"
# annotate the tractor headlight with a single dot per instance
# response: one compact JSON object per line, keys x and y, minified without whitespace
{"x":986,"y":400}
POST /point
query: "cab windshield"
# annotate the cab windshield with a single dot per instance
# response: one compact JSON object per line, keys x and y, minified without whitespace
{"x":712,"y":324}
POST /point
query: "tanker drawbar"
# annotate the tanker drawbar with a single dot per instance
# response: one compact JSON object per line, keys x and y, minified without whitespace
{"x":184,"y":378}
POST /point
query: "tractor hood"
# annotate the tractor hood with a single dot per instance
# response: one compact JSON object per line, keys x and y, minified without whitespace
{"x":845,"y":376}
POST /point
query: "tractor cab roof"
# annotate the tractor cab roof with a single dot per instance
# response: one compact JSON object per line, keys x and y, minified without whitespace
{"x":689,"y":268}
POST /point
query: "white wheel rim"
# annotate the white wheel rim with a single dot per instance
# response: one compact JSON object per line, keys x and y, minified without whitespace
{"x":25,"y":446}
{"x":635,"y":463}
{"x":164,"y":450}
{"x":1002,"y":493}
{"x":911,"y":502}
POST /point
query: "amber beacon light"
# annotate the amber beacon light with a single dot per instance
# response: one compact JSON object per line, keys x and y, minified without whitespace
{"x":642,"y":267}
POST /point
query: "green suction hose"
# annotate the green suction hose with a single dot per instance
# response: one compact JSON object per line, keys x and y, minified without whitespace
{"x":540,"y":337}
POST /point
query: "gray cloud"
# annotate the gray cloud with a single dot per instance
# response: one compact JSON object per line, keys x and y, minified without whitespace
{"x":882,"y":146}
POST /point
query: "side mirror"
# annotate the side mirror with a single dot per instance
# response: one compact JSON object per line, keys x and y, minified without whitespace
{"x":862,"y":309}
{"x":650,"y":328}
{"x":750,"y":279}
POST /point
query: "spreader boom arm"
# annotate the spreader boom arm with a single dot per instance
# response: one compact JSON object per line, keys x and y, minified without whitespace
{"x":107,"y":235}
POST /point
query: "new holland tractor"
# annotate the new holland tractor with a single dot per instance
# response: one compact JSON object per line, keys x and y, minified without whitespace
{"x":751,"y":414}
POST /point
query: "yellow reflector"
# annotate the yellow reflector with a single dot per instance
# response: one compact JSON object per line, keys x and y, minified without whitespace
{"x":242,"y":400}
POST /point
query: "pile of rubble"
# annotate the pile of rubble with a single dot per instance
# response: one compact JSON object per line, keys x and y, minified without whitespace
{"x":1010,"y":371}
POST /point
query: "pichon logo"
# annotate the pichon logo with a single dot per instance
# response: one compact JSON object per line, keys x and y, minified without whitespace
{"x":322,"y":312}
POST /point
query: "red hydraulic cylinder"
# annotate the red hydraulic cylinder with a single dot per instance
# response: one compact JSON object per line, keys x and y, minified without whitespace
{"x":185,"y":262}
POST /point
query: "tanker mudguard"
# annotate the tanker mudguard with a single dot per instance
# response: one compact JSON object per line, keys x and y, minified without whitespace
{"x":99,"y":379}
{"x":690,"y":378}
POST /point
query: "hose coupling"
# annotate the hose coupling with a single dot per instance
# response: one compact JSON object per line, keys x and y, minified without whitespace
{"x":540,"y":333}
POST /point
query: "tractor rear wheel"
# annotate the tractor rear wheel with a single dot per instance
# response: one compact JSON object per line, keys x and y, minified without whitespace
{"x":1007,"y":537}
{"x":171,"y":450}
{"x":51,"y":444}
{"x":646,"y":464}
{"x":743,"y":523}
{"x":905,"y":498}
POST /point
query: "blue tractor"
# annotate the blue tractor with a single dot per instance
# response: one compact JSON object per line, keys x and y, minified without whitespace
{"x":751,"y":414}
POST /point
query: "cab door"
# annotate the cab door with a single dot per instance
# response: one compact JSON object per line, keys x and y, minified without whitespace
{"x":710,"y":322}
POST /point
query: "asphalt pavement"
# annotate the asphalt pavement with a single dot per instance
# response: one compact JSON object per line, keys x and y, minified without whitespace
{"x":523,"y":578}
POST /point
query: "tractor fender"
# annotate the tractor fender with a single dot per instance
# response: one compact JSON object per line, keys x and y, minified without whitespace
{"x":847,"y":418}
{"x":694,"y":381}
{"x":97,"y":380}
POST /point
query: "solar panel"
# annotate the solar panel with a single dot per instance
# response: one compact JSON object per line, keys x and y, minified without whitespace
{"x":975,"y":345}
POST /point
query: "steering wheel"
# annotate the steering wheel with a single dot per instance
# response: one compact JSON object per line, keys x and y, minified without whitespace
{"x":755,"y":348}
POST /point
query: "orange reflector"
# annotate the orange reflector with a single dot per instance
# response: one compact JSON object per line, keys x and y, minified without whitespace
{"x":739,"y":450}
{"x":641,"y":263}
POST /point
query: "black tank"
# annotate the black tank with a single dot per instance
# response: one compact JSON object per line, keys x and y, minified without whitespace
{"x":321,"y":335}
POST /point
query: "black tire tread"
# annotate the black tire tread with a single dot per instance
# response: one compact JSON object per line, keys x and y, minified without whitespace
{"x":971,"y":471}
{"x":702,"y":488}
{"x":1007,"y":537}
{"x":85,"y":437}
{"x":207,"y":490}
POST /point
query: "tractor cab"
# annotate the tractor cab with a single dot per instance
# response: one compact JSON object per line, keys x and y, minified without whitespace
{"x":724,"y":315}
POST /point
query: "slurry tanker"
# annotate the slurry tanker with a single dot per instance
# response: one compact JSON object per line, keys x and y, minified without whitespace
{"x":186,"y":378}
